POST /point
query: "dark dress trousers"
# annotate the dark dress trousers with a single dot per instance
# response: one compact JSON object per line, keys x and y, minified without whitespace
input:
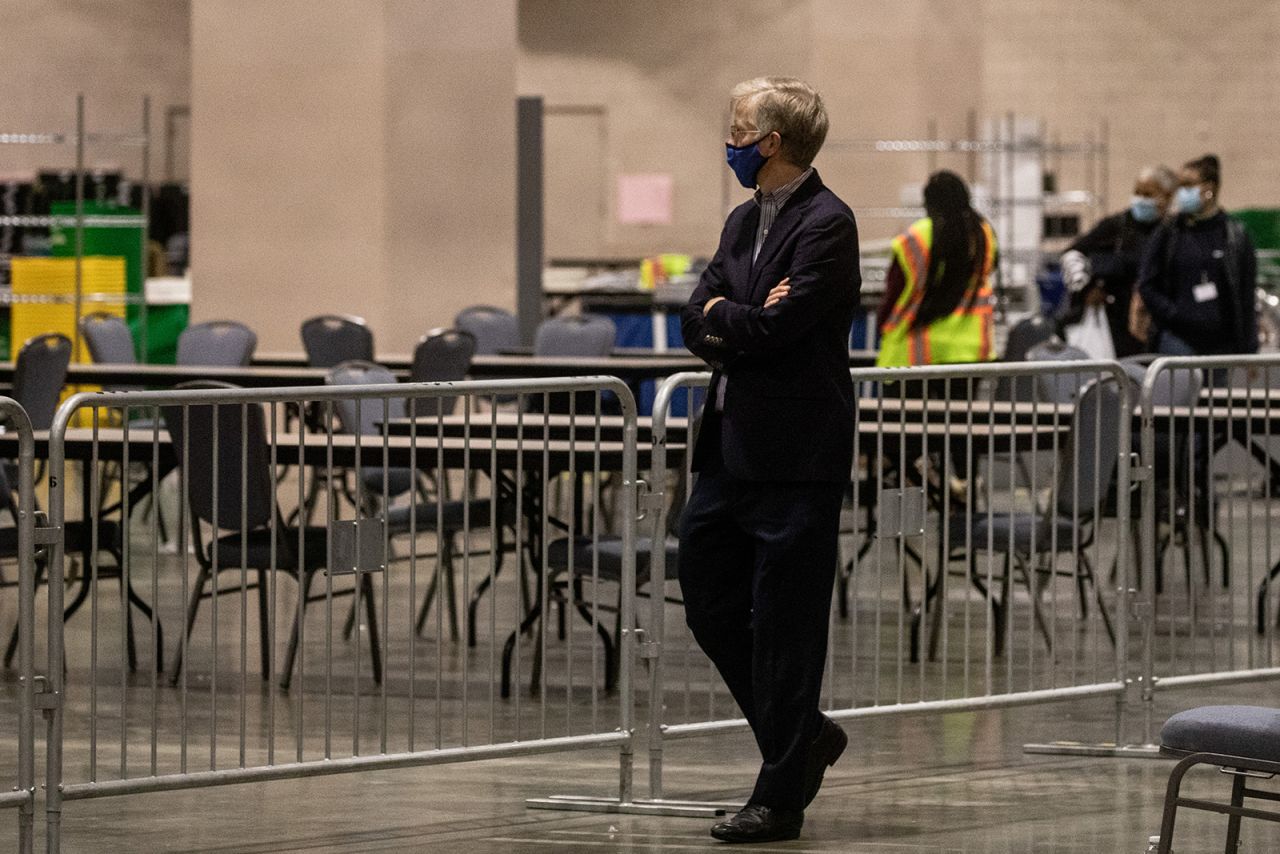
{"x":758,"y":538}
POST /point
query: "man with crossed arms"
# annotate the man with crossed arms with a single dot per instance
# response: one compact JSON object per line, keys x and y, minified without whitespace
{"x":758,"y":539}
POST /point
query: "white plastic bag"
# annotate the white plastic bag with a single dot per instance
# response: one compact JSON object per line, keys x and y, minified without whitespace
{"x":1092,"y":334}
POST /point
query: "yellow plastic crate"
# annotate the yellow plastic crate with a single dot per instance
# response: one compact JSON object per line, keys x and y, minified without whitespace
{"x":55,"y":278}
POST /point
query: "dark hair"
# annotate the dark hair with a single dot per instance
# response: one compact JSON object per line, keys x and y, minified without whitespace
{"x":1209,"y":168}
{"x":958,"y":251}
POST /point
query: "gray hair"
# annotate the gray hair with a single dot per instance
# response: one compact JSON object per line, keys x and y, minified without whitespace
{"x":1161,"y":174}
{"x":790,"y":107}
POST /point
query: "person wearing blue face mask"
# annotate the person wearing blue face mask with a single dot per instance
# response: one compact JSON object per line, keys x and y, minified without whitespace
{"x":1101,"y":267}
{"x":1199,"y":278}
{"x":1199,"y":272}
{"x":759,"y":536}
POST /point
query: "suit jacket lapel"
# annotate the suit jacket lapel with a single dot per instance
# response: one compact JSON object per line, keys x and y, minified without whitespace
{"x":788,"y":219}
{"x":740,"y":255}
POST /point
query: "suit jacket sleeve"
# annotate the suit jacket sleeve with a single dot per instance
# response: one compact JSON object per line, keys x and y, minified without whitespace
{"x":824,"y":264}
{"x":693,"y":326}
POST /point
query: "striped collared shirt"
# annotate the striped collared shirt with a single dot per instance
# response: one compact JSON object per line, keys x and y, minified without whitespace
{"x":771,"y":204}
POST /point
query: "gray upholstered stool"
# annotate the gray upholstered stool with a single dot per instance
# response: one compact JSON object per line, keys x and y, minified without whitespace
{"x":1244,"y":741}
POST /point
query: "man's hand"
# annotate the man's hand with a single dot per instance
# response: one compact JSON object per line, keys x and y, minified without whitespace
{"x":779,"y":291}
{"x":706,"y":308}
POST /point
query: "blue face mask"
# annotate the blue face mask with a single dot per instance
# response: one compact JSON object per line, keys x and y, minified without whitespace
{"x":1143,"y":209}
{"x":1187,"y":200}
{"x":745,"y":161}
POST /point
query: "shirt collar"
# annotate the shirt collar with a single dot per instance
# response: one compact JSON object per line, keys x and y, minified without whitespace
{"x":780,"y":196}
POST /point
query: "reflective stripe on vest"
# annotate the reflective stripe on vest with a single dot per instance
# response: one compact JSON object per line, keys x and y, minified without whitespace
{"x":962,"y":336}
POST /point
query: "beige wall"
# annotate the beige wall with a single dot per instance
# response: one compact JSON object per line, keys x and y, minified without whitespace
{"x":352,"y":156}
{"x":113,"y":51}
{"x":1173,"y":78}
{"x":661,"y":71}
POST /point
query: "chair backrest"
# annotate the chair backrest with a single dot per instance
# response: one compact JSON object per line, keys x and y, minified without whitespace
{"x":40,"y":374}
{"x":1089,"y":457}
{"x":215,"y":448}
{"x":109,"y":339}
{"x":217,"y":343}
{"x":495,"y":329}
{"x":1059,"y":387}
{"x":580,"y":335}
{"x":363,"y":416}
{"x":1179,"y":387}
{"x":442,"y":356}
{"x":1024,"y":335}
{"x":331,"y":339}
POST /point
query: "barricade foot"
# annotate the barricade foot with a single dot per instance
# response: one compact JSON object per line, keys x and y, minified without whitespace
{"x":1102,"y":749}
{"x":640,"y":806}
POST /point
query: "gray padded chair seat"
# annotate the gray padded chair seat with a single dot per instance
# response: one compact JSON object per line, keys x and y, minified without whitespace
{"x":315,"y":542}
{"x":609,"y":550}
{"x":1250,"y":731}
{"x":996,"y":529}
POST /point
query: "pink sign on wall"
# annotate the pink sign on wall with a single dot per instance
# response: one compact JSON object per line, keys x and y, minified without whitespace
{"x":645,"y":199}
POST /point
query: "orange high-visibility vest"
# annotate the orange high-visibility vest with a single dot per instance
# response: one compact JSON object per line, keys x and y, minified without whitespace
{"x":962,"y":336}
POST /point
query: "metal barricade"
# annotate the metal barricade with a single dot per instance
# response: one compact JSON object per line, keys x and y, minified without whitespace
{"x":987,"y":512}
{"x":1211,"y":496}
{"x":20,"y":703}
{"x":455,"y":562}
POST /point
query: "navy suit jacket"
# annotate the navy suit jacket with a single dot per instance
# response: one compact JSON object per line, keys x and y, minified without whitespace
{"x":789,"y":402}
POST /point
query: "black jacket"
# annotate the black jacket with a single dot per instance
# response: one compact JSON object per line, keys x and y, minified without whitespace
{"x":789,"y":402}
{"x":1114,"y":248}
{"x":1170,"y":268}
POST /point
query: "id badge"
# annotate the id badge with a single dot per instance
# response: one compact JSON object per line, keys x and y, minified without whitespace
{"x":1205,"y":291}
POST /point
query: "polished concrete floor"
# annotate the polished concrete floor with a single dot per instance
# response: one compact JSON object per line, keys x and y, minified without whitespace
{"x":959,"y":783}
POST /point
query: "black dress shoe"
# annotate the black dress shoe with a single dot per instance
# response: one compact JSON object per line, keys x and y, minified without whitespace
{"x":758,"y":823}
{"x":823,"y":753}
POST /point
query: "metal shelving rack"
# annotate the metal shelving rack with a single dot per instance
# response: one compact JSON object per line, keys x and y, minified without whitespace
{"x":81,"y":139}
{"x":992,"y":158}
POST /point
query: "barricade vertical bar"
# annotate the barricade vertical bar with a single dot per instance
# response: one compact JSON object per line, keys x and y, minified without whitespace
{"x":384,"y":634}
{"x":54,"y":674}
{"x":413,"y":582}
{"x":626,"y":639}
{"x":442,"y":480}
{"x":657,"y":582}
{"x":242,"y":700}
{"x":544,"y":570}
{"x":466,"y":557}
{"x":1268,"y":485}
{"x":157,"y":654}
{"x":268,"y":678}
{"x":91,"y":487}
{"x":17,"y":417}
{"x":597,"y":523}
{"x":214,"y":539}
{"x":522,"y":531}
{"x":184,"y":573}
{"x":300,"y":666}
{"x":1124,"y":478}
{"x":124,"y":587}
